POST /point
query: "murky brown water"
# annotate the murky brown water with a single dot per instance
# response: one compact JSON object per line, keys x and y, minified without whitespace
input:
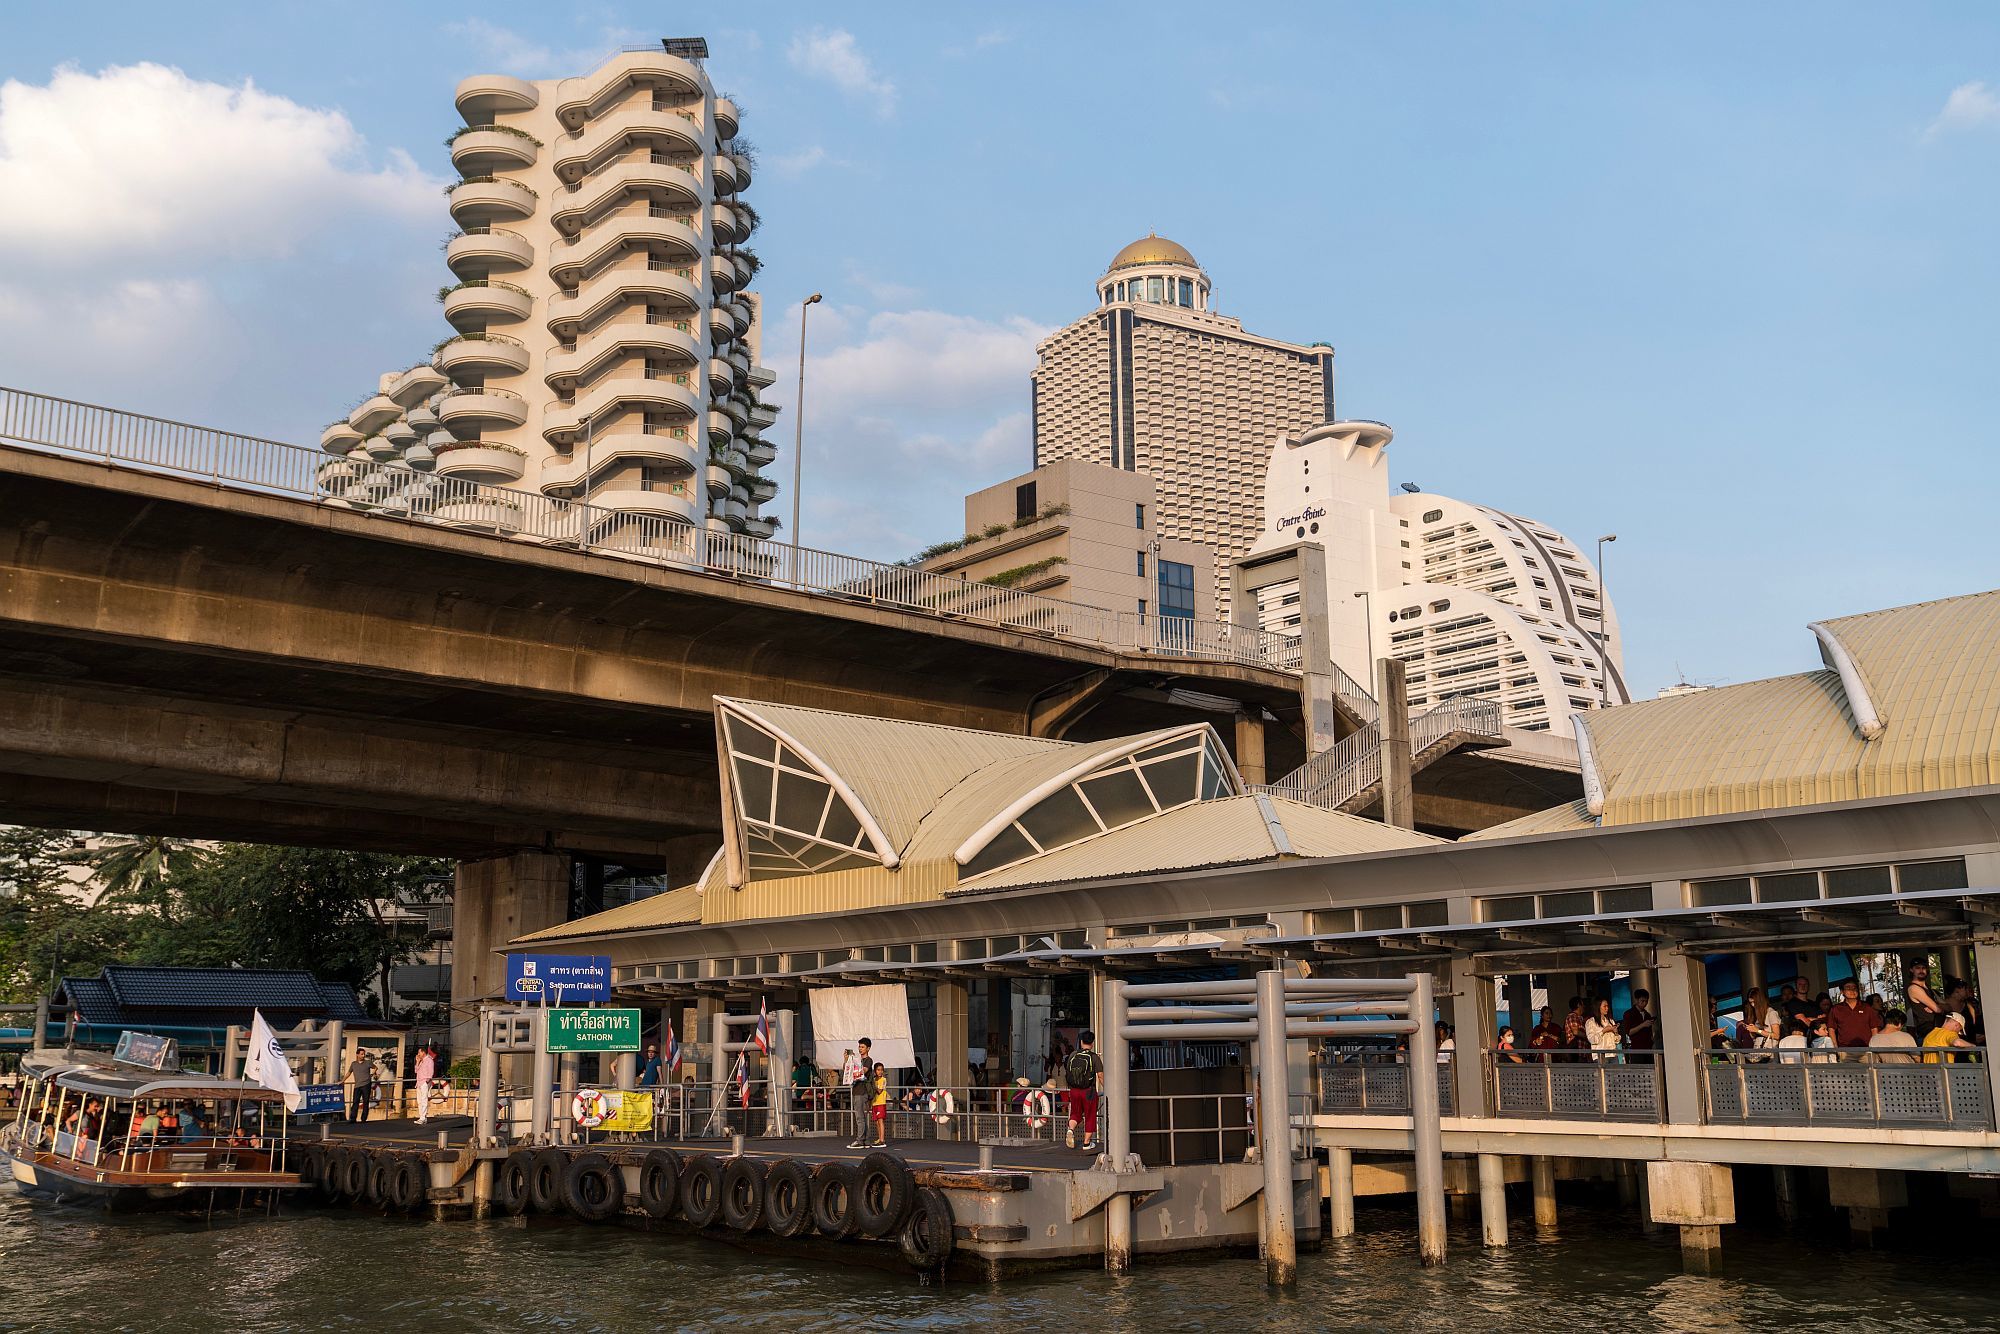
{"x":62,"y":1268}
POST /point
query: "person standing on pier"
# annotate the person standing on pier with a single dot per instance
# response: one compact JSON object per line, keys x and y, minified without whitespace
{"x":1084,"y":1069}
{"x":362,"y":1072}
{"x":1851,"y":1022}
{"x":427,"y":1064}
{"x":649,"y":1072}
{"x":1639,"y":1029}
{"x":878,"y":1104}
{"x":855,"y":1068}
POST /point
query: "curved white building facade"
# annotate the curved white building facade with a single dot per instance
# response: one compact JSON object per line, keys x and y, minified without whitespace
{"x":1475,"y":601}
{"x":604,"y":341}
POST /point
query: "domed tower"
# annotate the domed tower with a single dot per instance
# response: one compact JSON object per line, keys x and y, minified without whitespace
{"x":1157,"y":270}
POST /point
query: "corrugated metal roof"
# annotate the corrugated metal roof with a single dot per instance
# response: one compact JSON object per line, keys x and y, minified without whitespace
{"x":125,"y":995}
{"x":676,"y":907}
{"x":1555,"y":820}
{"x":1316,"y":832}
{"x":1932,"y":671}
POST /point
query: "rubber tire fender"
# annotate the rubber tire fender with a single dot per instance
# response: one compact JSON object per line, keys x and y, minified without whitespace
{"x":883,"y":1193}
{"x":545,"y":1178}
{"x":409,"y":1184}
{"x":834,"y":1196}
{"x":592,"y":1188}
{"x":788,"y":1199}
{"x":742,"y":1194}
{"x":701,"y":1190}
{"x":380,"y":1165}
{"x":510,"y":1182}
{"x":930,"y":1233}
{"x":660,"y":1183}
{"x":353,"y":1175}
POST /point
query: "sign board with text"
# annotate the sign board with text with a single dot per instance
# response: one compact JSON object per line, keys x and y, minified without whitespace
{"x":322,"y":1099}
{"x":593,"y":1030}
{"x":559,"y":979}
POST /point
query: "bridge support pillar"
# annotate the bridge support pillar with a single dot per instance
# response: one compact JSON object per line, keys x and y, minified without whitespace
{"x":493,"y":901}
{"x":1544,"y":1170}
{"x":954,"y":1035}
{"x":1868,"y":1194}
{"x":1250,"y":760}
{"x":1698,"y":1198}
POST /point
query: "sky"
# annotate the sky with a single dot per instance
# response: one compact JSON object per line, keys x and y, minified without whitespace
{"x":1719,"y":279}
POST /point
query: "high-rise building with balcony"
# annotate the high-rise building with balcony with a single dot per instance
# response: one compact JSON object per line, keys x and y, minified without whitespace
{"x":605,"y":342}
{"x":1155,"y":381}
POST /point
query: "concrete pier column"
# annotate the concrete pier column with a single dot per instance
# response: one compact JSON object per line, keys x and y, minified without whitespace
{"x":1274,"y":1132}
{"x":1427,"y":1136}
{"x":1752,"y":968}
{"x":625,"y":1070}
{"x":1986,"y":975}
{"x":1392,"y":697}
{"x":1698,"y":1198}
{"x":493,"y":901}
{"x":1115,"y":1124}
{"x":1868,"y":1194}
{"x":1544,"y":1171}
{"x":1470,"y":1014}
{"x":1250,"y":746}
{"x":1788,"y":1192}
{"x":1493,"y":1199}
{"x":1340,"y":1192}
{"x":1681,"y":1000}
{"x":954,"y":1034}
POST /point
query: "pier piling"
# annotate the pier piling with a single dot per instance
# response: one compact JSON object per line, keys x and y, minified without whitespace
{"x":1493,"y":1199}
{"x":1340,"y":1192}
{"x":1544,"y":1171}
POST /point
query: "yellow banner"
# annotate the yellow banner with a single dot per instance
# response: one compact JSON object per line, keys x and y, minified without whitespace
{"x":631,"y":1112}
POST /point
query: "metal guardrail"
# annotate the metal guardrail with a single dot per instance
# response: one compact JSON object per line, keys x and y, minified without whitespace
{"x":1849,"y":1088}
{"x":1576,"y":1086}
{"x":397,"y":491}
{"x":1352,"y":765}
{"x":1379,"y":1086}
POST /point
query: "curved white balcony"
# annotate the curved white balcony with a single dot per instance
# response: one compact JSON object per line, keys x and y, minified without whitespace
{"x":466,"y":412}
{"x":400,"y":434}
{"x":746,"y":271}
{"x":741,"y":315}
{"x":737,"y":464}
{"x":481,"y":203}
{"x":743,"y":168}
{"x":480,"y":511}
{"x":721,"y":329}
{"x":763,"y":376}
{"x":618,"y":129}
{"x":483,"y":301}
{"x":614,"y":288}
{"x":719,"y":479}
{"x":722,"y":224}
{"x":761,"y":489}
{"x":731,"y":511}
{"x":763,"y":415}
{"x":667,"y":504}
{"x":714,"y":524}
{"x":567,"y":423}
{"x":374,"y":414}
{"x":381,"y":448}
{"x":739,"y":357}
{"x":416,"y":384}
{"x":762,"y":453}
{"x":335,"y":474}
{"x":735,"y":409}
{"x":422,"y":418}
{"x":481,"y":461}
{"x":722,"y":274}
{"x":671,"y":186}
{"x":481,"y":354}
{"x":578,"y":99}
{"x":339,"y":438}
{"x":481,"y":152}
{"x":606,"y":449}
{"x":760,"y":525}
{"x":573,"y":257}
{"x":727,"y":178}
{"x":484,"y":96}
{"x":563,"y":367}
{"x":481,"y":251}
{"x":419,"y":456}
{"x":721,"y":376}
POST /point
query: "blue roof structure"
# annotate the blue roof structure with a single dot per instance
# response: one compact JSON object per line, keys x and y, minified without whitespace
{"x":133,"y":996}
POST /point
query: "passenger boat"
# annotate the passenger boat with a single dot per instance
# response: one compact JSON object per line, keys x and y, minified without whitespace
{"x":90,"y":1128}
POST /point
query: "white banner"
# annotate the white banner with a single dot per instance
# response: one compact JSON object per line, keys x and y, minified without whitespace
{"x":842,"y":1016}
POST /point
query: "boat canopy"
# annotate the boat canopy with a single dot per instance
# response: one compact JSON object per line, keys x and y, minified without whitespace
{"x":76,"y":1070}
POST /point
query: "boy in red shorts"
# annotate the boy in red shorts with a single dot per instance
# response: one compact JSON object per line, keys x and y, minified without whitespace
{"x":1085,"y":1072}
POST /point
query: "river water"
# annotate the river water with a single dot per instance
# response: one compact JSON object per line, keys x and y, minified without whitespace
{"x":62,"y":1268}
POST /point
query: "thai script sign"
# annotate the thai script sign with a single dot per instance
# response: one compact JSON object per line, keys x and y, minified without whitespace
{"x":559,"y":979}
{"x":322,"y":1099}
{"x":593,"y":1030}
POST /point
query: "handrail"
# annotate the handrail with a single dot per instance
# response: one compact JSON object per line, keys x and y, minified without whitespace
{"x":1353,"y":764}
{"x":397,"y":491}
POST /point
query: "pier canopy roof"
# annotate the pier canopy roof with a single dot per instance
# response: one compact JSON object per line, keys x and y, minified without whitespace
{"x":1907,"y":702}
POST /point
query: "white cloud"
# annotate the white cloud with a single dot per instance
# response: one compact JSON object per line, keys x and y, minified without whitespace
{"x":1971,"y":106}
{"x":832,"y":54}
{"x":906,"y":412}
{"x":513,"y":53}
{"x":803,"y":160}
{"x":141,"y":160}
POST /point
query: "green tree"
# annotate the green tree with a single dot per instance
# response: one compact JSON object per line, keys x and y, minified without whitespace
{"x":46,"y":931}
{"x":137,"y":870}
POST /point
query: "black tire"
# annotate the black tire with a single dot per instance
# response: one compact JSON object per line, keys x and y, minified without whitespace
{"x":834,"y":1197}
{"x":545,"y":1178}
{"x":409,"y":1185}
{"x":592,"y":1188}
{"x":510,"y":1181}
{"x":701,"y":1190}
{"x":742,"y":1194}
{"x":883,"y":1193}
{"x":326,"y":1174}
{"x":788,"y":1199}
{"x":353,"y":1175}
{"x":376,"y":1192}
{"x":660,"y":1183}
{"x":929,"y":1234}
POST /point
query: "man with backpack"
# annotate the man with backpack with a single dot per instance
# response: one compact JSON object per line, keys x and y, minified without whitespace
{"x":1084,"y":1071}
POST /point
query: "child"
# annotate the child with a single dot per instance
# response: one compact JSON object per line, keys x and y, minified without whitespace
{"x":878,"y":1105}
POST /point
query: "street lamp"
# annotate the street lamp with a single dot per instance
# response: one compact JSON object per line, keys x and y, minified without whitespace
{"x":799,"y":417}
{"x":1603,"y":624}
{"x":1368,"y":618}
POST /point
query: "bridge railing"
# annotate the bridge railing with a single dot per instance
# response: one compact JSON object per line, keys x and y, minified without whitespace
{"x":397,"y":490}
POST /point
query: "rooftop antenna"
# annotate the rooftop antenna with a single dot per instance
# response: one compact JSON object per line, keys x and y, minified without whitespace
{"x":1412,"y":487}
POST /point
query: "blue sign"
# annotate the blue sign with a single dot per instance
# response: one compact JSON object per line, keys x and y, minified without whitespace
{"x":322,"y":1099}
{"x":559,"y":979}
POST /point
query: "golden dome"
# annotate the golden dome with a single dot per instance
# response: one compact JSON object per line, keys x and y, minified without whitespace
{"x":1152,"y":249}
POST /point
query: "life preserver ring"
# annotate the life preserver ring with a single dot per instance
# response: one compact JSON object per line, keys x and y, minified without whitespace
{"x":942,"y":1106}
{"x":590,"y":1108}
{"x":1035,"y":1105}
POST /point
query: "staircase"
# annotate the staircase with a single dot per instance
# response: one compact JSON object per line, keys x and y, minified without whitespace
{"x":1348,"y":777}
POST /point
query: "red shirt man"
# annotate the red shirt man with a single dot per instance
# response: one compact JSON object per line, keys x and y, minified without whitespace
{"x":1852,"y":1022}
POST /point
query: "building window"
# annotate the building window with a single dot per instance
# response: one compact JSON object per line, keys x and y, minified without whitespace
{"x":1432,"y":516}
{"x":1024,"y":502}
{"x":794,"y":823}
{"x":1138,"y":516}
{"x":1155,"y":290}
{"x":1140,"y":561}
{"x":1142,"y":611}
{"x":1187,"y":291}
{"x":1176,"y":583}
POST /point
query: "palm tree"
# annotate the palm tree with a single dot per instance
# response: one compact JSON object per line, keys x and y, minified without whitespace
{"x":134,"y":869}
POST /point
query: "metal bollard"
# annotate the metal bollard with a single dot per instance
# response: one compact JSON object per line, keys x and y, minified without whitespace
{"x":736,"y":1146}
{"x":986,"y":1157}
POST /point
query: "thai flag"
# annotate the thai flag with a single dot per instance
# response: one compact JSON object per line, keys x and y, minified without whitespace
{"x":743,"y":1077}
{"x":764,"y":1028}
{"x":673,"y":1053}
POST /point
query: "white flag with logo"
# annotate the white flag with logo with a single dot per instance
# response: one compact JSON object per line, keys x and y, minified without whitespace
{"x":266,"y":1064}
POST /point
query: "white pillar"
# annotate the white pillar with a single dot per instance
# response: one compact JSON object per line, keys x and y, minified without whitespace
{"x":1274,"y":1131}
{"x":1493,"y":1198}
{"x":1427,"y":1138}
{"x":1116,"y":1125}
{"x":1340,"y":1192}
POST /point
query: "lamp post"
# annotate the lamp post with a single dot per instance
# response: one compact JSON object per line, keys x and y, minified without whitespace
{"x":1368,"y":624}
{"x":1603,"y":623}
{"x":799,"y":417}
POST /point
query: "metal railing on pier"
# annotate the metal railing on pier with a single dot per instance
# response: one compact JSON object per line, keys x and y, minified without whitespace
{"x":1338,"y":775}
{"x":1576,"y":1085}
{"x":1375,"y":1084}
{"x":1849,"y":1087}
{"x":397,"y":491}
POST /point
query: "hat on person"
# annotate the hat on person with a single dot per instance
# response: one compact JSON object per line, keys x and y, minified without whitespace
{"x":1954,"y":1017}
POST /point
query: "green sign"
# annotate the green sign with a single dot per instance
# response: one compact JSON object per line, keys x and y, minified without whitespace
{"x":593,"y":1030}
